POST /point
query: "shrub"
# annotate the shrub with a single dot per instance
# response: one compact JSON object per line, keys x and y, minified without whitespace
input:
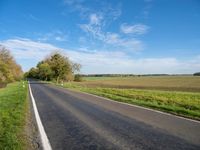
{"x":78,"y":78}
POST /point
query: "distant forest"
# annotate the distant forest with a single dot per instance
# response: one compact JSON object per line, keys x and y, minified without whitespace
{"x":132,"y":75}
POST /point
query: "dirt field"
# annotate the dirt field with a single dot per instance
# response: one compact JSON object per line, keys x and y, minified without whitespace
{"x":169,"y":83}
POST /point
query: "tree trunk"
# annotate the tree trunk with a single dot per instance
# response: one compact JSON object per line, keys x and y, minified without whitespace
{"x":57,"y":79}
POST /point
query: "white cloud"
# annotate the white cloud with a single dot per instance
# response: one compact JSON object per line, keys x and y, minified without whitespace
{"x":119,"y":62}
{"x":134,"y":29}
{"x":55,"y":35}
{"x":126,"y":43}
{"x":95,"y":19}
{"x":98,"y":61}
{"x":27,"y":49}
{"x":104,"y":8}
{"x":94,"y":30}
{"x":113,"y":39}
{"x":77,"y":5}
{"x":59,"y":38}
{"x":115,"y":13}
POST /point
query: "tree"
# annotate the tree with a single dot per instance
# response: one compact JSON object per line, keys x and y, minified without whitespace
{"x":9,"y":69}
{"x":78,"y":78}
{"x":69,"y":76}
{"x":75,"y":67}
{"x":45,"y":71}
{"x":33,"y":73}
{"x":60,"y":66}
{"x":4,"y":73}
{"x":5,"y":65}
{"x":17,"y":71}
{"x":54,"y":67}
{"x":197,"y":74}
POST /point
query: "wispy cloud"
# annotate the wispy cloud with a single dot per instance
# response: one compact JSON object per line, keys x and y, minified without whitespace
{"x":56,"y":35}
{"x":34,"y":18}
{"x":23,"y":48}
{"x":125,"y":43}
{"x":104,"y":8}
{"x":59,"y":38}
{"x":78,"y":6}
{"x":134,"y":29}
{"x":109,"y":62}
{"x":95,"y":19}
{"x":94,"y":28}
{"x":147,"y":8}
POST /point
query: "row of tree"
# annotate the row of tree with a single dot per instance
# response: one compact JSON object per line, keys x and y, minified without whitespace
{"x":55,"y":67}
{"x":197,"y":74}
{"x":121,"y":75}
{"x":9,"y":70}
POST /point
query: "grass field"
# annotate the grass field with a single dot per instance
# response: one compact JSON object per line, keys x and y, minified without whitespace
{"x":13,"y":107}
{"x":141,"y":91}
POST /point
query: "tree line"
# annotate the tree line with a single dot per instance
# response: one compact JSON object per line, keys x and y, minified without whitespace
{"x":197,"y":74}
{"x":9,"y":70}
{"x":121,"y":75}
{"x":56,"y":67}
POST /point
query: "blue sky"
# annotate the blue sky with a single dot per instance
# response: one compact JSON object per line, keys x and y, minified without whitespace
{"x":105,"y":36}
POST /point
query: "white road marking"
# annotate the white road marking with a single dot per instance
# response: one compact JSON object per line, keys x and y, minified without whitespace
{"x":132,"y":105}
{"x":44,"y":139}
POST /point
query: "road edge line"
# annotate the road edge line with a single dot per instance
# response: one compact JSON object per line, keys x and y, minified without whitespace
{"x":153,"y":110}
{"x":165,"y":113}
{"x":44,"y":139}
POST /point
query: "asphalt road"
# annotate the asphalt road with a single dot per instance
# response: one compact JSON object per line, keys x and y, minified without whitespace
{"x":74,"y":120}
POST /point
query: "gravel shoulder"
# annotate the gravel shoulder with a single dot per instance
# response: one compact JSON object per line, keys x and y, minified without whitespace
{"x":31,"y":131}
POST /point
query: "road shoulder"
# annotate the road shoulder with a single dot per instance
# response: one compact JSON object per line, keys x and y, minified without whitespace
{"x":31,"y":130}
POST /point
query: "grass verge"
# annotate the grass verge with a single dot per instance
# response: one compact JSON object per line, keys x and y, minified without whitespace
{"x":13,"y":108}
{"x":186,"y":104}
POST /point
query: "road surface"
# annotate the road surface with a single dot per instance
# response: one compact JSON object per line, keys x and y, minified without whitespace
{"x":74,"y":120}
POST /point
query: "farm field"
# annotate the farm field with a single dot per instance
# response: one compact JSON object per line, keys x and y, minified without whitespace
{"x":13,"y":107}
{"x":167,"y":94}
{"x":169,"y":83}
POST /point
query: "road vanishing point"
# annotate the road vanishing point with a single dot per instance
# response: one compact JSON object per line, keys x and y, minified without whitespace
{"x":79,"y":121}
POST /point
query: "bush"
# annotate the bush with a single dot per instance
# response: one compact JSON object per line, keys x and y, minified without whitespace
{"x":78,"y":78}
{"x":2,"y":85}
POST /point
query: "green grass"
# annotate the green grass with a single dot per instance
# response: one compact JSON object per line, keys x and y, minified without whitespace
{"x":13,"y":107}
{"x":185,"y":104}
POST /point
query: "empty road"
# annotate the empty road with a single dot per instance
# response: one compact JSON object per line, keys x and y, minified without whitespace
{"x":74,"y":120}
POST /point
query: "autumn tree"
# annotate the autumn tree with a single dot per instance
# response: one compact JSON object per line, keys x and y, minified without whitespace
{"x":4,"y":72}
{"x":9,"y":69}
